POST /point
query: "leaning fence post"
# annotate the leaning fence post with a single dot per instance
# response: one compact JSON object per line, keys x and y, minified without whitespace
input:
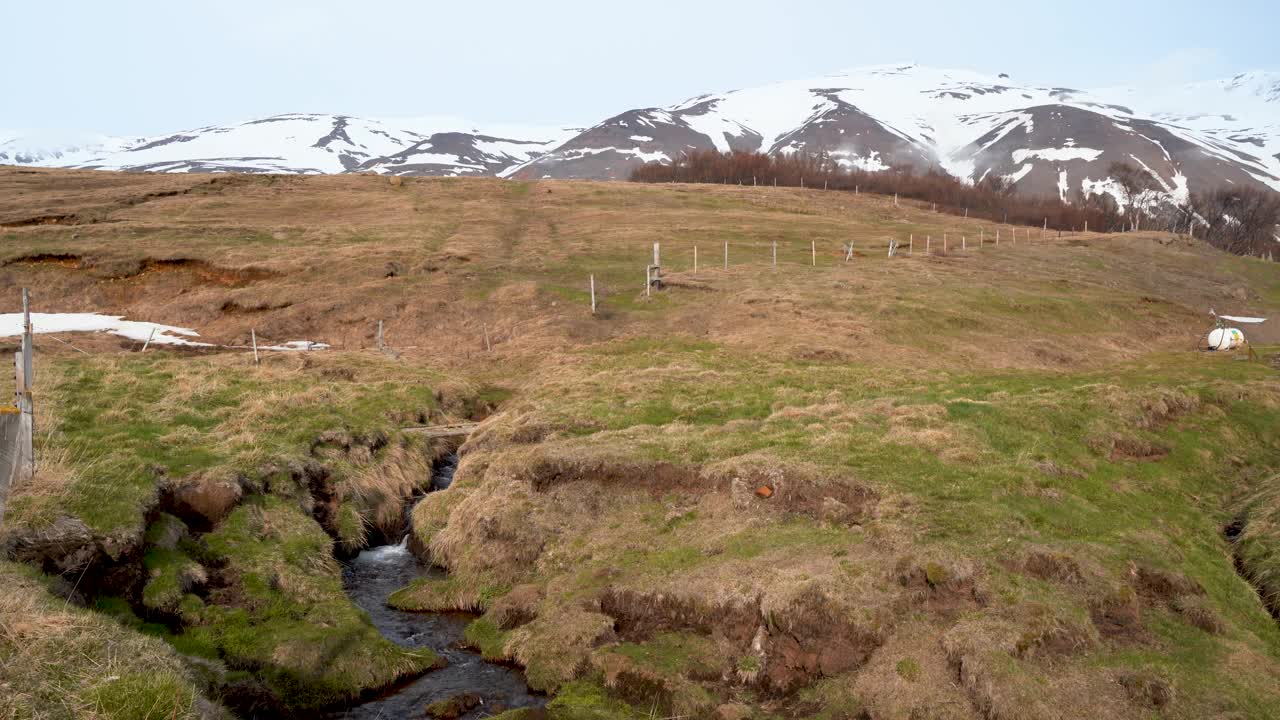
{"x":28,"y":347}
{"x":147,"y":344}
{"x":253,"y":337}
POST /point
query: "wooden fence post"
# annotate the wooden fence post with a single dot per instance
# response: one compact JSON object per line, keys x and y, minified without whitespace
{"x":253,"y":337}
{"x":775,"y":254}
{"x":695,"y":259}
{"x":813,"y":253}
{"x":381,"y":346}
{"x":726,"y":250}
{"x":593,"y":294}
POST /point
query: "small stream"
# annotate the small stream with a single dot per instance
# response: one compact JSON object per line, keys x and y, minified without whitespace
{"x":376,"y":573}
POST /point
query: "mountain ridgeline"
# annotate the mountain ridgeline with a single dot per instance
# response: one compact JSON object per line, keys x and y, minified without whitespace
{"x":1036,"y":140}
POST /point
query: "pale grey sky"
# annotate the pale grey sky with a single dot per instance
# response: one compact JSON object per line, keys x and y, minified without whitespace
{"x":146,"y":67}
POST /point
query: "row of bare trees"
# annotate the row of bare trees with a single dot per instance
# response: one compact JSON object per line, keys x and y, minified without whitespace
{"x":1238,"y":219}
{"x":992,"y":198}
{"x":1241,"y":220}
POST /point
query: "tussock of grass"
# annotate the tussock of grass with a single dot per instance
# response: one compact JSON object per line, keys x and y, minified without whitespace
{"x":58,"y":661}
{"x":288,"y":617}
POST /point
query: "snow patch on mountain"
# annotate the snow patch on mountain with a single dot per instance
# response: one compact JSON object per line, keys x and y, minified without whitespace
{"x":1057,"y":154}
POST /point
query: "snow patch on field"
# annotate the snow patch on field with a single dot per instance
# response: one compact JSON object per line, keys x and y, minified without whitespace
{"x":137,"y":330}
{"x":11,"y":325}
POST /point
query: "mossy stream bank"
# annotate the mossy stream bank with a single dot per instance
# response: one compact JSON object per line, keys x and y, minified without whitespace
{"x":488,"y":688}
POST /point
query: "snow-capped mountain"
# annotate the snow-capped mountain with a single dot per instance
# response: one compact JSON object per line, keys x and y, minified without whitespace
{"x":310,"y":144}
{"x":1045,"y":140}
{"x":36,"y":147}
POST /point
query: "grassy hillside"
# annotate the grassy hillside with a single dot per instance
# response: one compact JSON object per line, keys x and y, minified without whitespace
{"x":986,"y":483}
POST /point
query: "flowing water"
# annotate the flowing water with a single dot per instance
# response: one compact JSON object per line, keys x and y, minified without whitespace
{"x":376,"y":573}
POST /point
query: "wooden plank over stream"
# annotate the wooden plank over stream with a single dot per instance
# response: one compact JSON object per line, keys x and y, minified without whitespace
{"x":440,"y":431}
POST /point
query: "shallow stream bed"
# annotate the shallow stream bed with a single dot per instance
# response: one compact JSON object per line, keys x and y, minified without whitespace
{"x":369,"y":579}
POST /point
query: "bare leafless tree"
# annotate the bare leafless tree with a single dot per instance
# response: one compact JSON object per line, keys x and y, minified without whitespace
{"x":1241,"y":220}
{"x":1132,"y":184}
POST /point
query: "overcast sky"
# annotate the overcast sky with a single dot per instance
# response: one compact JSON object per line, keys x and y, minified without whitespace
{"x":143,"y":67}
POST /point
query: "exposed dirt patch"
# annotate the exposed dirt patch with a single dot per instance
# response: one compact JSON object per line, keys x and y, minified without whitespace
{"x":767,"y":483}
{"x":116,"y":268}
{"x":1164,"y":586}
{"x":1146,"y":688}
{"x":206,"y":272}
{"x":944,"y":590}
{"x":813,"y":638}
{"x":1118,"y":616}
{"x":235,"y":307}
{"x":42,"y":220}
{"x":543,"y":471}
{"x":63,"y":260}
{"x":1119,"y":446}
{"x":1050,"y":567}
{"x":639,"y":616}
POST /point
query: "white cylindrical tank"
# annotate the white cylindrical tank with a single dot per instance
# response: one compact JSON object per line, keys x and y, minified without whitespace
{"x":1225,"y":339}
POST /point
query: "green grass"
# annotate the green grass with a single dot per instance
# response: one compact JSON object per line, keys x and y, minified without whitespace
{"x":60,"y":661}
{"x":986,"y":464}
{"x":485,"y":635}
{"x":132,"y":419}
{"x":672,"y":654}
{"x":291,"y":620}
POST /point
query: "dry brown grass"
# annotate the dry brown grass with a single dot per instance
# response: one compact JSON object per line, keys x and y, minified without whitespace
{"x":59,"y":661}
{"x":349,"y":250}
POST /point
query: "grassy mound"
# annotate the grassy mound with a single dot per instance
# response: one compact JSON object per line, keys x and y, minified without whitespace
{"x":59,"y":661}
{"x":1056,"y":532}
